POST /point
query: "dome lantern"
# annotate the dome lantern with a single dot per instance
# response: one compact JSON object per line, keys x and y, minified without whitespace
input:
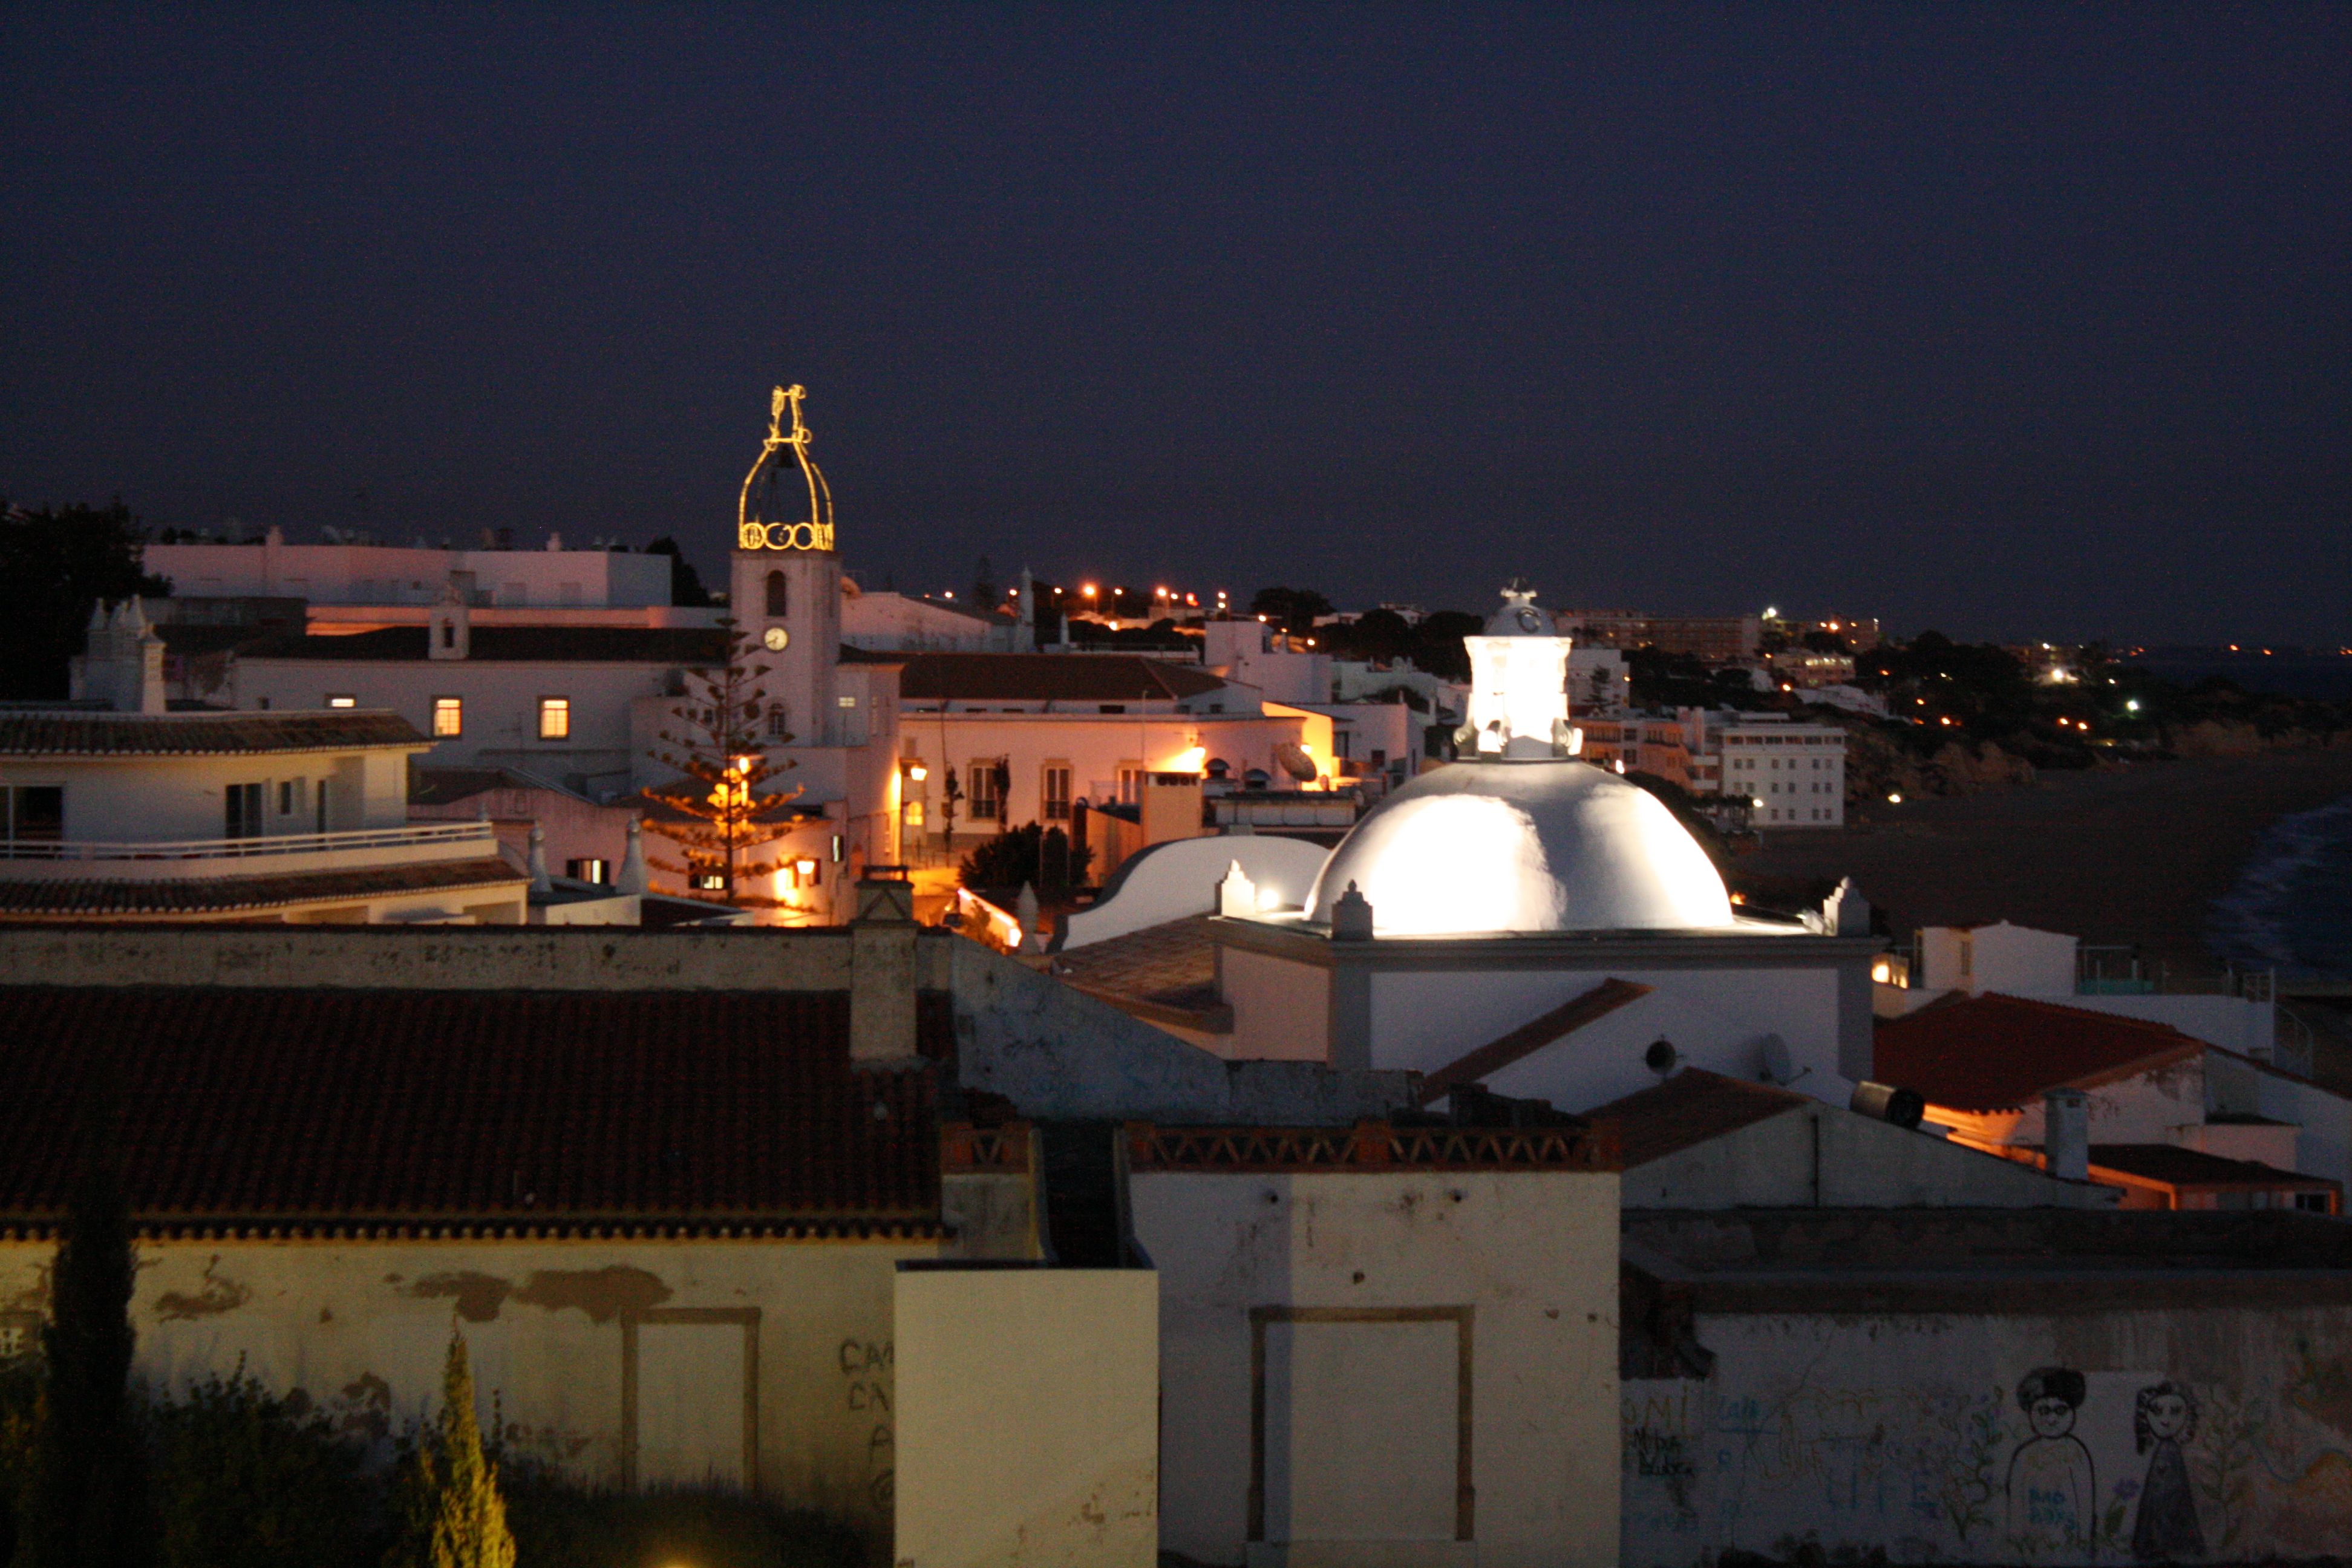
{"x":1518,"y":684}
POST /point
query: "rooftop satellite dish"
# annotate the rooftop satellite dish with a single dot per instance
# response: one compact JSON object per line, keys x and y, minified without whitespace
{"x":1294,"y":761}
{"x":1778,"y":1068}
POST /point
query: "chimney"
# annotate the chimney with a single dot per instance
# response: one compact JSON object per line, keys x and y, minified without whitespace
{"x":451,"y":635}
{"x":542,"y":883}
{"x":2066,"y":1134}
{"x":882,"y":974}
{"x":121,"y":663}
{"x":633,"y":862}
{"x":1351,"y":917}
{"x":1237,"y":895}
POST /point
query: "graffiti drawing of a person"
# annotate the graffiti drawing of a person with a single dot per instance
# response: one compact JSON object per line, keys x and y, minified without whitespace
{"x":2163,"y":1418}
{"x":2053,"y":1487}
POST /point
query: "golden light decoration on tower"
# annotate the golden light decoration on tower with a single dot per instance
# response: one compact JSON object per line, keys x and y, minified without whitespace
{"x":814,"y":532}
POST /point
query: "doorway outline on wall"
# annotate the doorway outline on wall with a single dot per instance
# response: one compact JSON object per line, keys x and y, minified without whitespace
{"x":1466,"y":1496}
{"x":749,"y":1317}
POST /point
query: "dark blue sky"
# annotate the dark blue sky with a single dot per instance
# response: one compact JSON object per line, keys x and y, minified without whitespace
{"x":2016,"y":320}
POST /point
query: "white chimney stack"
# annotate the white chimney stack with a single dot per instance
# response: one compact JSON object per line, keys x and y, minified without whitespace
{"x":2066,"y":1134}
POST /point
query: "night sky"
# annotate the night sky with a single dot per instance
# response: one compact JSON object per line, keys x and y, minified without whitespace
{"x":2017,"y":321}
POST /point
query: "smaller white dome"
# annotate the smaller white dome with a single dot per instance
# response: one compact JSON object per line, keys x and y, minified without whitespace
{"x":1523,"y":847}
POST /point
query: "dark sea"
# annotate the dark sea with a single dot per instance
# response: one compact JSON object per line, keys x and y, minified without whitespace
{"x":2292,"y":907}
{"x":2315,"y":676}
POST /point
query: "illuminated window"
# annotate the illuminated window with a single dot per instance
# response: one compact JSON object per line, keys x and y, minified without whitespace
{"x":588,"y":870}
{"x":555,"y":718}
{"x":844,"y":701}
{"x":1130,"y":783}
{"x":341,"y":699}
{"x":709,"y":882}
{"x":1054,"y":789}
{"x":986,"y":790}
{"x":448,"y":716}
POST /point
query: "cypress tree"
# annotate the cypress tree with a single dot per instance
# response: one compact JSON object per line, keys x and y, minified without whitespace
{"x":90,"y":1504}
{"x":459,"y":1519}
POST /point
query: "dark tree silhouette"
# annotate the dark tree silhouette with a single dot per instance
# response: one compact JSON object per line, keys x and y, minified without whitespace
{"x":54,"y":566}
{"x":90,"y":1503}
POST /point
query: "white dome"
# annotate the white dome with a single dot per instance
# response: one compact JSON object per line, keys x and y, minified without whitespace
{"x":1523,"y":847}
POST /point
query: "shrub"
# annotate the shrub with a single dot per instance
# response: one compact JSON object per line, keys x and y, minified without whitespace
{"x":245,"y":1479}
{"x":1040,"y":856}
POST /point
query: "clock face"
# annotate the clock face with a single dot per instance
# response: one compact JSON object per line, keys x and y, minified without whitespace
{"x":777,"y":639}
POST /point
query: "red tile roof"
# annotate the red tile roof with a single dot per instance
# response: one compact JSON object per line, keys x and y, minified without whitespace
{"x":1691,"y":1108}
{"x":1049,"y":677}
{"x":45,"y":899}
{"x":1993,"y":1052}
{"x":56,"y":733}
{"x":1369,"y":1146}
{"x":311,"y":1108}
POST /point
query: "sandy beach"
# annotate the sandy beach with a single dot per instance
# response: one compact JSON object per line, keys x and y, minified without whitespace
{"x":2133,"y":855}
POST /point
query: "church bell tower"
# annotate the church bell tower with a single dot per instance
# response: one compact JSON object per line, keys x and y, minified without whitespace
{"x":785,"y":591}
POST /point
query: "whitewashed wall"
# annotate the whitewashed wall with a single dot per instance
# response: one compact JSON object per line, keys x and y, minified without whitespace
{"x":1903,"y":1435}
{"x":1530,"y":1259}
{"x":362,"y":1328}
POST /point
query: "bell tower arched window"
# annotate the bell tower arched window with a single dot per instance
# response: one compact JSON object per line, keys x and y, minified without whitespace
{"x":779,"y":598}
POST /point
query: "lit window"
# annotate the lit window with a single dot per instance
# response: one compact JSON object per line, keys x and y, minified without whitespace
{"x":847,"y":702}
{"x":588,"y":870}
{"x":341,"y":699}
{"x":448,"y":716}
{"x":710,"y":882}
{"x":555,"y":718}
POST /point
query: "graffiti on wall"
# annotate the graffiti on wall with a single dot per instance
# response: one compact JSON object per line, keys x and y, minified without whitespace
{"x":2059,"y":1465}
{"x":867,"y":1373}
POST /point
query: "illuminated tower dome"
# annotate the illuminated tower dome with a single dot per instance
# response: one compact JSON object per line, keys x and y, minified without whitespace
{"x":1526,"y":837}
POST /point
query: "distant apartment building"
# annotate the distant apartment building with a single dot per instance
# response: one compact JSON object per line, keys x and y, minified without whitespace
{"x":379,"y":574}
{"x":1791,"y":775}
{"x":1643,"y":744}
{"x":1715,"y":639}
{"x":1809,"y":670}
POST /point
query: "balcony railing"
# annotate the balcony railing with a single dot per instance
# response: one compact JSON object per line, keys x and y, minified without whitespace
{"x":437,"y":835}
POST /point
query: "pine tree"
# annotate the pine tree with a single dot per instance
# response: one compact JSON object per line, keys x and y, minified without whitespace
{"x":716,"y":746}
{"x":457,"y":1517}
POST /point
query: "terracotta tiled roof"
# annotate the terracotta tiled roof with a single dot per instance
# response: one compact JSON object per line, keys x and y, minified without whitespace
{"x":1369,"y":1146}
{"x":1691,"y":1108}
{"x":310,"y":1107}
{"x":1049,"y":677}
{"x":45,"y":899}
{"x":1995,"y":1053}
{"x":65,"y":733}
{"x":2177,"y":1167}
